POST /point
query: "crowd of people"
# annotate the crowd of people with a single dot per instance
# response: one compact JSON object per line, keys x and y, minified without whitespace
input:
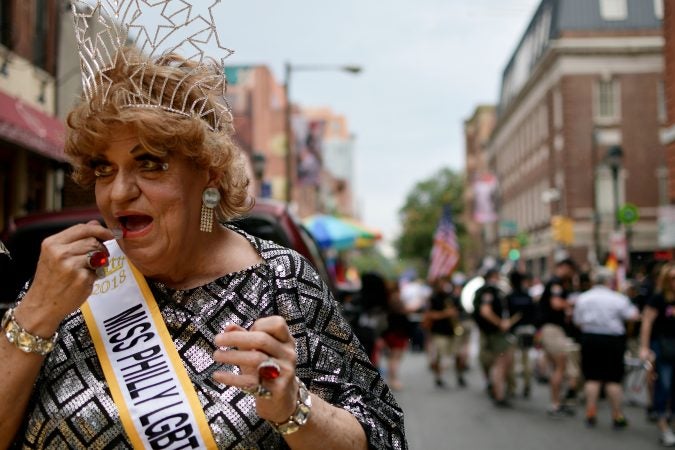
{"x":574,"y":332}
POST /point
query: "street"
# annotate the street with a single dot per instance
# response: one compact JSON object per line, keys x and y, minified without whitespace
{"x":465,"y":419}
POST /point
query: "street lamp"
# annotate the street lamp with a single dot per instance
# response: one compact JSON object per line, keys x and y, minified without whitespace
{"x":289,"y":131}
{"x":613,"y":159}
{"x":259,"y":162}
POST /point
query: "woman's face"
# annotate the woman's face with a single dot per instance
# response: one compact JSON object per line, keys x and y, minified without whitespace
{"x":156,"y":201}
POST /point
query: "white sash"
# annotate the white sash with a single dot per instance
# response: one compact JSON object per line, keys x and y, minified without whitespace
{"x":158,"y":405}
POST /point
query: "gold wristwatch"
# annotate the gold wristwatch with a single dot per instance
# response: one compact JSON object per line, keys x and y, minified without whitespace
{"x":22,"y":339}
{"x":303,"y":410}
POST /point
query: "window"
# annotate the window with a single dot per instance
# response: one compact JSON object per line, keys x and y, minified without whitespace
{"x":607,"y":106}
{"x":658,"y":9}
{"x":40,"y":41}
{"x":613,"y":9}
{"x":6,"y":23}
{"x":557,"y":109}
{"x":661,"y":101}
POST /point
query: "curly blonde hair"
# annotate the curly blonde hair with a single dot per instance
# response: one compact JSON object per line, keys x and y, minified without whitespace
{"x":92,"y":124}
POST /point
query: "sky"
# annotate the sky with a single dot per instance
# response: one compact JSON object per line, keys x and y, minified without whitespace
{"x":426,"y":65}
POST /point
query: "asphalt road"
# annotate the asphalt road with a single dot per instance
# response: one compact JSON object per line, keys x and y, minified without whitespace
{"x":465,"y":419}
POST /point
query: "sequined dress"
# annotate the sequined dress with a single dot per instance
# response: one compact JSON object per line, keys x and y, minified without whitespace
{"x":72,"y":406}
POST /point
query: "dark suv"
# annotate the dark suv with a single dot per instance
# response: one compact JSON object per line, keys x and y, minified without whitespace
{"x":268,"y":219}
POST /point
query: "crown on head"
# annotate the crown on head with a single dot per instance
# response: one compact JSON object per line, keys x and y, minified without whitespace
{"x":157,"y":29}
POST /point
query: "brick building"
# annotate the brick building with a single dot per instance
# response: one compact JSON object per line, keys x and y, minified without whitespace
{"x":585,"y":80}
{"x":477,"y":131}
{"x":31,"y":138}
{"x":667,"y":212}
{"x":332,"y":194}
{"x":258,"y":105}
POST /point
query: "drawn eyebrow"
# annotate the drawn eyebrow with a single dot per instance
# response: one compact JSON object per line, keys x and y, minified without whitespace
{"x":138,"y":149}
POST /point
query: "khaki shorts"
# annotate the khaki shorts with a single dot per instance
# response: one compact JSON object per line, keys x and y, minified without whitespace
{"x":555,"y":342}
{"x":444,"y":345}
{"x":499,"y":342}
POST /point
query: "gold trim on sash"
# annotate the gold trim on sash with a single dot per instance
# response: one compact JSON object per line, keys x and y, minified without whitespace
{"x":105,"y":294}
{"x":114,"y":386}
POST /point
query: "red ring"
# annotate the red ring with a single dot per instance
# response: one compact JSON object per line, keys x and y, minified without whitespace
{"x":97,"y":259}
{"x":269,"y":370}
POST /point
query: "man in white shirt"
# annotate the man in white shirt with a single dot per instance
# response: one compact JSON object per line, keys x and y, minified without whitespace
{"x":601,"y":314}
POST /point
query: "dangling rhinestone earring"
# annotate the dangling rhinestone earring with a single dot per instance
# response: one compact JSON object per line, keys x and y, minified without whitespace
{"x":210,"y":199}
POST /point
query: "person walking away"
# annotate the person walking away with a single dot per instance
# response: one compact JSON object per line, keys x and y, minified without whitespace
{"x":462,"y":334}
{"x":371,"y":319}
{"x":499,"y":342}
{"x":415,"y":294}
{"x":646,"y":280}
{"x":657,"y":344}
{"x":520,"y":303}
{"x":396,"y":336}
{"x":601,"y":314}
{"x":555,"y":313}
{"x":443,"y":317}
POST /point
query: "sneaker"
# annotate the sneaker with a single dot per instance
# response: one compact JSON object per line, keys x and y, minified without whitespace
{"x":568,"y":410}
{"x":652,"y":415}
{"x":570,"y":398}
{"x":668,"y":438}
{"x":440,"y":383}
{"x":503,"y":404}
{"x":556,"y":412}
{"x":461,"y":382}
{"x":591,"y":421}
{"x":619,"y":423}
{"x":526,"y":392}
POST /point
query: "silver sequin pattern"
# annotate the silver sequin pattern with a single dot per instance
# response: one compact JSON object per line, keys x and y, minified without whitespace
{"x":72,"y":407}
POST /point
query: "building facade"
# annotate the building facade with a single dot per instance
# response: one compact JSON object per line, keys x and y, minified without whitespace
{"x":580,"y":113}
{"x":32,"y":168}
{"x":258,"y":105}
{"x":480,"y":184}
{"x":330,"y":191}
{"x":667,"y":212}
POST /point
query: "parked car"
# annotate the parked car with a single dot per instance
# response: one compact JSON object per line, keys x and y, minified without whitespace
{"x":268,"y":219}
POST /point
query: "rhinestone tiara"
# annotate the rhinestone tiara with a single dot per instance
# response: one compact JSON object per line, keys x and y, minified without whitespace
{"x":158,"y":29}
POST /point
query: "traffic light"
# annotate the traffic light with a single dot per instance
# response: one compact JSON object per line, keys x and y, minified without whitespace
{"x":514,"y":254}
{"x":568,"y":231}
{"x":557,"y":228}
{"x":562,"y":229}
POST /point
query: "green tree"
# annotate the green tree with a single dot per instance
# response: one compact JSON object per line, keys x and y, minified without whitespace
{"x":423,"y":208}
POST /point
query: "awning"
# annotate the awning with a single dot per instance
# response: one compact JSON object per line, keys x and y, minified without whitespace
{"x":28,"y":127}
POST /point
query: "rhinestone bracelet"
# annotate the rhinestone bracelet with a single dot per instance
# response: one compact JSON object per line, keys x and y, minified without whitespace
{"x":22,"y":339}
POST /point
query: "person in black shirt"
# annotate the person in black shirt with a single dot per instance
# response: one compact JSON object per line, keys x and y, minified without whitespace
{"x":522,"y":305}
{"x":555,"y":317}
{"x":495,"y":322}
{"x":657,"y":344}
{"x":444,"y":317}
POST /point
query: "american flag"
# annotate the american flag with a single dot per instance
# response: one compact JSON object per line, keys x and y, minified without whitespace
{"x":445,"y":251}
